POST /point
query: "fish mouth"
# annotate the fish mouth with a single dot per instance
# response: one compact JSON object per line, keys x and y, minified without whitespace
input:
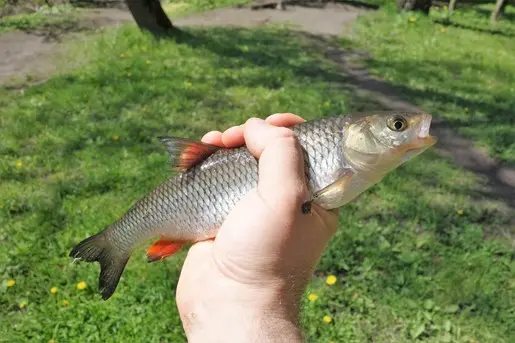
{"x":424,"y":139}
{"x":421,"y":142}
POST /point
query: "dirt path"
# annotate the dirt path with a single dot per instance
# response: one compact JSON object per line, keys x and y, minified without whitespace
{"x":29,"y":52}
{"x":331,"y":19}
{"x":32,"y":54}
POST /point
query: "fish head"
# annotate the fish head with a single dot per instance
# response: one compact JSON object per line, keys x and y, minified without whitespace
{"x":381,"y":142}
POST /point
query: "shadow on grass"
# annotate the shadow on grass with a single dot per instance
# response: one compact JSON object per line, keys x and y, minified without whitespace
{"x":472,"y":27}
{"x":469,"y":16}
{"x":507,"y":15}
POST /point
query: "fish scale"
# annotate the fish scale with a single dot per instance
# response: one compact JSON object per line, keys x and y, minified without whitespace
{"x":193,"y":204}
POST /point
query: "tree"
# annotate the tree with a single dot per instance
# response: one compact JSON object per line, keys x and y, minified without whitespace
{"x":498,"y":10}
{"x":414,"y":5}
{"x":452,"y":6}
{"x":150,"y":16}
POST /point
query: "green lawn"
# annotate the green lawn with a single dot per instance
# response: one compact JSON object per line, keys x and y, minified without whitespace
{"x":56,"y":16}
{"x":460,"y":68}
{"x":419,"y":255}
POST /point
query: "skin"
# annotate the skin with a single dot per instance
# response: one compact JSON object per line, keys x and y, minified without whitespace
{"x":245,"y":286}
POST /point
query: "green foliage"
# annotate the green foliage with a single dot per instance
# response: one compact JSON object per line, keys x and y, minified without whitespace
{"x":207,"y":4}
{"x":44,"y":16}
{"x":416,"y":257}
{"x":457,"y":67}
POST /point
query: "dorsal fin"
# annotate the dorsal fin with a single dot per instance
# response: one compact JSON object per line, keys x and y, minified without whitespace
{"x":186,"y":153}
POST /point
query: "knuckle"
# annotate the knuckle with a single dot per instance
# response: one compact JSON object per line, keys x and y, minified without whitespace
{"x":252,"y":119}
{"x":285,"y":133}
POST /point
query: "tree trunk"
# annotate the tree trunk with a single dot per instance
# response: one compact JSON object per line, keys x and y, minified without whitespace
{"x":452,"y":5}
{"x":150,"y":16}
{"x":498,"y":10}
{"x":414,"y":5}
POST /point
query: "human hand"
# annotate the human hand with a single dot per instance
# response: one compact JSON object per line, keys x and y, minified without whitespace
{"x":249,"y":279}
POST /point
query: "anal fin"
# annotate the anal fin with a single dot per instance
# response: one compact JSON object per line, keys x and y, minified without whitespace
{"x":162,"y":249}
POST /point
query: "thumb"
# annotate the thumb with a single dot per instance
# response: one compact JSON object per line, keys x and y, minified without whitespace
{"x":282,"y":179}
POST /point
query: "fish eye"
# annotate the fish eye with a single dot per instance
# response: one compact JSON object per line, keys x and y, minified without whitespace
{"x":397,"y":124}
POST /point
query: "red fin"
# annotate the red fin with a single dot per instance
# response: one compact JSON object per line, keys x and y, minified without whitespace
{"x":162,"y":249}
{"x":186,"y":153}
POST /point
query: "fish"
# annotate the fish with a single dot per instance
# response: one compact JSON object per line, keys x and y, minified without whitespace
{"x":344,"y":155}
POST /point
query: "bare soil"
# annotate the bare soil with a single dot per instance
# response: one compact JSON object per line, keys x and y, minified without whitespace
{"x":329,"y":19}
{"x":33,"y":53}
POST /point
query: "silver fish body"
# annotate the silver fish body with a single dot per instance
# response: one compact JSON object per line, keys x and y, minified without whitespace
{"x":192,"y":205}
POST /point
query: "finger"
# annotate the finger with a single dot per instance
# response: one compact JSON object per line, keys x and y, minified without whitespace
{"x":282,"y":181}
{"x":197,"y":253}
{"x":233,"y":137}
{"x":257,"y":133}
{"x":214,"y":138}
{"x":284,"y":119}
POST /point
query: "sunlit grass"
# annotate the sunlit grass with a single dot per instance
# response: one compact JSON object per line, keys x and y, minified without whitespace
{"x":45,"y":15}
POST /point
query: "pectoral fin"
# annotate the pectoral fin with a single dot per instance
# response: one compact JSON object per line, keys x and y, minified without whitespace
{"x":326,"y":195}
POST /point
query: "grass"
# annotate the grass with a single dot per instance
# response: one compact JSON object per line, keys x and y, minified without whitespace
{"x":417,"y":258}
{"x":457,"y":67}
{"x":45,"y":16}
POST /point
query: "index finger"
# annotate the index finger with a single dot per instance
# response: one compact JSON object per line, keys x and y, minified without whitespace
{"x":284,"y":119}
{"x":233,"y":136}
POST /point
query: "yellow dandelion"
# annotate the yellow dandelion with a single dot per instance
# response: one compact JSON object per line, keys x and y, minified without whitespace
{"x":66,"y":302}
{"x":11,"y":283}
{"x":51,"y":341}
{"x":122,"y":55}
{"x":459,"y":212}
{"x":19,"y":164}
{"x":82,"y":285}
{"x":327,"y":319}
{"x":115,"y":137}
{"x":412,"y":19}
{"x":330,"y":280}
{"x":312,"y":297}
{"x":443,"y":29}
{"x":53,"y":290}
{"x":23,"y":303}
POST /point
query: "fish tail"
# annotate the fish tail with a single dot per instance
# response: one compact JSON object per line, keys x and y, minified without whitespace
{"x":112,"y":261}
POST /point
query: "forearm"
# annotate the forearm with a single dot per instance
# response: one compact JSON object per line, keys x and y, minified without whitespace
{"x":261,"y":318}
{"x":229,"y":325}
